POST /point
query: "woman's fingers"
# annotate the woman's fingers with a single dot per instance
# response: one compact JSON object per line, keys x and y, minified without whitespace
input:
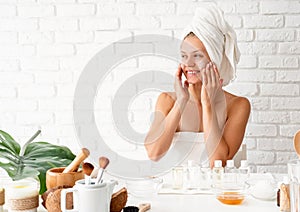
{"x":179,"y":71}
{"x":219,"y":80}
{"x":203,"y":77}
{"x":208,"y":74}
{"x":216,"y":70}
{"x":213,"y":75}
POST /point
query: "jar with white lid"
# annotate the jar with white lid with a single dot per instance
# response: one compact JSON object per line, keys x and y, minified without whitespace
{"x":22,"y":196}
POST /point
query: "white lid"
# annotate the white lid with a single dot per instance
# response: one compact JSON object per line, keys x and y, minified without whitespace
{"x":230,"y":163}
{"x":218,"y":163}
{"x":244,"y":163}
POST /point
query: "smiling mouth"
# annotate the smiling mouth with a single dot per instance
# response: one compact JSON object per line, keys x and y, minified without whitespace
{"x":193,"y":72}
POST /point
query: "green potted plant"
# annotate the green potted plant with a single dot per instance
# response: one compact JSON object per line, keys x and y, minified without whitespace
{"x":33,"y":159}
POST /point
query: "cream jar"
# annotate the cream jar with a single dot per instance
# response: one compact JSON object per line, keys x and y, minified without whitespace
{"x":22,"y":196}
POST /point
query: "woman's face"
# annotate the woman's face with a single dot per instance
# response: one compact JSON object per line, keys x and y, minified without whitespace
{"x":194,"y":57}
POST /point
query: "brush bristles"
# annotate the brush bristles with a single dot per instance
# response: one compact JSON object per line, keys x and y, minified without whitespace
{"x":103,"y":162}
{"x":87,"y":168}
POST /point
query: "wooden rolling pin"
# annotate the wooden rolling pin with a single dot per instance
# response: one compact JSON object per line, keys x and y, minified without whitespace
{"x":74,"y":165}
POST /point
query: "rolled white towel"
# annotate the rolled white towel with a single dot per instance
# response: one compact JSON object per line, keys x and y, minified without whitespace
{"x":218,"y":37}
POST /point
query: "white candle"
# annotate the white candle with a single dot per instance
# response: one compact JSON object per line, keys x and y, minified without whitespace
{"x":22,"y":196}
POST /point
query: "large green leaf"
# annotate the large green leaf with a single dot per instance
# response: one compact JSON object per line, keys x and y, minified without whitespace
{"x":9,"y":143}
{"x":38,"y":157}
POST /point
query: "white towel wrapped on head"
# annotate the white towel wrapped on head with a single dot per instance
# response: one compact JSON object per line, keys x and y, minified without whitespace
{"x":218,"y":38}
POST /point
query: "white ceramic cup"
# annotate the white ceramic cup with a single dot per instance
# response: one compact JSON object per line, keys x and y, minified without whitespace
{"x":89,"y":198}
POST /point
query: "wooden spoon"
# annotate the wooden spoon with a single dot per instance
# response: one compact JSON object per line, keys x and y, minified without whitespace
{"x":297,"y":143}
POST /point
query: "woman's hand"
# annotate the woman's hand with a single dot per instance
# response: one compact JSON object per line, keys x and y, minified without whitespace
{"x":182,"y":93}
{"x":211,"y":84}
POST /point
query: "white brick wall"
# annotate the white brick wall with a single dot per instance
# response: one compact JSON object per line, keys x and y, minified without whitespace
{"x":45,"y":44}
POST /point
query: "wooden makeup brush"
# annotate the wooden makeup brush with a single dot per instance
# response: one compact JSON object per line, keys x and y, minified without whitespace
{"x":87,"y":170}
{"x":103,"y":162}
{"x":94,"y":173}
{"x":73,"y":166}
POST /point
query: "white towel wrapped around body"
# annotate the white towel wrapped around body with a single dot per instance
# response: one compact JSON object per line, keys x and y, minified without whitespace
{"x":194,"y":143}
{"x":218,"y":38}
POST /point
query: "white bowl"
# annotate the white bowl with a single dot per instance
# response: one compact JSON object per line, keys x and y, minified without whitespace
{"x":263,"y":189}
{"x":144,"y":187}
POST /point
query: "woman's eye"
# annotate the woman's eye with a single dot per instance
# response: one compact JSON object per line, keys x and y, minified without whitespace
{"x":183,"y":56}
{"x":198,"y":55}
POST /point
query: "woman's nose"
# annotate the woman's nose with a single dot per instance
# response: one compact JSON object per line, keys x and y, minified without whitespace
{"x":190,"y":62}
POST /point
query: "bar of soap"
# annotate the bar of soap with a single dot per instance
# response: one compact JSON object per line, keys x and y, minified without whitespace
{"x":263,"y":190}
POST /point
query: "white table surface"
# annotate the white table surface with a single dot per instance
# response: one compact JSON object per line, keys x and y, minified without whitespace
{"x":203,"y":202}
{"x":187,"y":203}
{"x":195,"y":202}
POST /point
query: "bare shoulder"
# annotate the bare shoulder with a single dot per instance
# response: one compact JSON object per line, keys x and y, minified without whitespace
{"x":165,"y":102}
{"x":237,"y":104}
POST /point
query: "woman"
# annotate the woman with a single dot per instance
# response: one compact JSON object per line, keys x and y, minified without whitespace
{"x":199,"y":104}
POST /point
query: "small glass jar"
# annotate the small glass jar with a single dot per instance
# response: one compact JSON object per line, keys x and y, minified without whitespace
{"x":177,"y":177}
{"x":22,"y":196}
{"x":191,"y":175}
{"x":205,"y":177}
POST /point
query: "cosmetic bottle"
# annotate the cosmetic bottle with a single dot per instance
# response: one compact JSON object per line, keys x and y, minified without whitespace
{"x":230,"y":172}
{"x":217,"y":172}
{"x":191,"y":175}
{"x":243,"y":171}
{"x":205,"y":176}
